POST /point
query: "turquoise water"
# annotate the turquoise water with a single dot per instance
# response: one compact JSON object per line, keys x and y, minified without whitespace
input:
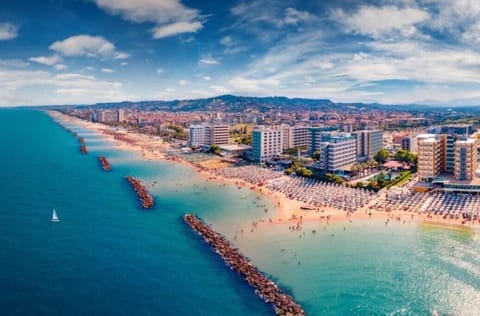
{"x":106,"y":256}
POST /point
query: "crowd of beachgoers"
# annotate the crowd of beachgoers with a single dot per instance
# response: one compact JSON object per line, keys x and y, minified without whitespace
{"x":457,"y":206}
{"x":251,"y":174}
{"x":317,"y":193}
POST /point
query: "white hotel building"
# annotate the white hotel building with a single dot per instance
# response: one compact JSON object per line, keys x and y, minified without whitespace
{"x":267,"y":143}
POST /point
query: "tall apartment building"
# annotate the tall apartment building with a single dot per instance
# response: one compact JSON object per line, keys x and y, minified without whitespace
{"x":197,"y":135}
{"x":431,"y":149}
{"x":337,"y":150}
{"x":107,"y":116}
{"x":409,"y":143}
{"x":218,"y":134}
{"x":121,"y":115}
{"x":267,"y":143}
{"x":369,"y":142}
{"x":466,"y":161}
{"x":295,"y":136}
{"x":206,"y":135}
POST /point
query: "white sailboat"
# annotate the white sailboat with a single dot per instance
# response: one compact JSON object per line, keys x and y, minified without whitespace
{"x":54,"y":216}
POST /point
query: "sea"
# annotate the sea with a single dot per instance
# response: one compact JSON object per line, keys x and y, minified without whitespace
{"x":107,"y":256}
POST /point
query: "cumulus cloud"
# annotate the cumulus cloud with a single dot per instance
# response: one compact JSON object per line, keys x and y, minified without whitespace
{"x":88,"y":46}
{"x":60,"y":67}
{"x":170,"y":16}
{"x":47,"y":60}
{"x":8,"y":31}
{"x":207,"y":78}
{"x":183,"y":82}
{"x":380,"y":22}
{"x":176,"y":28}
{"x":13,"y":63}
{"x":160,"y":71}
{"x":107,"y":70}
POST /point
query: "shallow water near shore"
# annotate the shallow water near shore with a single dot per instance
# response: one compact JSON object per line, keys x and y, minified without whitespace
{"x":106,"y":256}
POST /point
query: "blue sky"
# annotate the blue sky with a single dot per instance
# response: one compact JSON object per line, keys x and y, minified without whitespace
{"x":87,"y":51}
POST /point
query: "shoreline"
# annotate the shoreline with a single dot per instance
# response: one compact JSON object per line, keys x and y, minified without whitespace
{"x":286,"y":210}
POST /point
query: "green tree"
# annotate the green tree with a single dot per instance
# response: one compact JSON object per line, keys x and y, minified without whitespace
{"x":381,"y":156}
{"x":214,"y":149}
{"x":316,"y":155}
{"x":304,"y":172}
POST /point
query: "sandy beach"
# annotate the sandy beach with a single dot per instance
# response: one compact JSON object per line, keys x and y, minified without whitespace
{"x":287,"y":210}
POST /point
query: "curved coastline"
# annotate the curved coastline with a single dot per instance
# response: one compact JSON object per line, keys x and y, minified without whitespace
{"x":287,"y":210}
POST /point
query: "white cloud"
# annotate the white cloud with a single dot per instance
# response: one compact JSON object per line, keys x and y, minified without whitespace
{"x":294,"y":16}
{"x":60,"y":67}
{"x":381,"y":22}
{"x":207,"y":78}
{"x":87,"y":46}
{"x":183,"y":82}
{"x":175,"y":29}
{"x":123,"y":63}
{"x":8,"y":31}
{"x":48,"y":61}
{"x":107,"y":70}
{"x":89,"y":68}
{"x":42,"y":87}
{"x":207,"y":60}
{"x":13,"y":63}
{"x":170,"y":16}
{"x":160,"y":71}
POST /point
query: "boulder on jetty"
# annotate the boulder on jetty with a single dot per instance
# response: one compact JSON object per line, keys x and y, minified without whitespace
{"x":104,"y":163}
{"x":83,"y":149}
{"x":146,"y":199}
{"x":282,"y":303}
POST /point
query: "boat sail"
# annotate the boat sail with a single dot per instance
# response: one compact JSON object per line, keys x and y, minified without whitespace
{"x":54,"y":216}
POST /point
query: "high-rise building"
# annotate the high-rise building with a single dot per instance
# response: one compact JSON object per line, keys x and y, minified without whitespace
{"x":466,"y":162}
{"x":430,"y":155}
{"x":206,"y":135}
{"x":218,"y":134}
{"x":121,"y":115}
{"x":369,"y":142}
{"x":295,"y":136}
{"x":337,"y":150}
{"x":108,"y":116}
{"x":197,"y":135}
{"x":409,"y":143}
{"x":267,"y":143}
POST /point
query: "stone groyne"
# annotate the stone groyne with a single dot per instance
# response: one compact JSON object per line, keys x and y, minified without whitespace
{"x":146,"y":199}
{"x":104,"y":163}
{"x":265,"y":288}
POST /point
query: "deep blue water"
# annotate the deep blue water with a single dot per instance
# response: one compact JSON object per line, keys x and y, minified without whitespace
{"x":105,"y":256}
{"x":108,"y":257}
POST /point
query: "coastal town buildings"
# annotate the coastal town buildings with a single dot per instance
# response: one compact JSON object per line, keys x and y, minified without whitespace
{"x":295,"y":137}
{"x":430,"y":155}
{"x":369,"y":142}
{"x":267,"y":143}
{"x":337,"y":150}
{"x":206,"y":135}
{"x":453,"y":150}
{"x":197,"y":137}
{"x":466,"y":161}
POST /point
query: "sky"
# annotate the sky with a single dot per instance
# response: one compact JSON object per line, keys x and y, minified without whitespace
{"x":89,"y":51}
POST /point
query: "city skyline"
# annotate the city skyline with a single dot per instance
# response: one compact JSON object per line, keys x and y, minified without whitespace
{"x":392,"y":52}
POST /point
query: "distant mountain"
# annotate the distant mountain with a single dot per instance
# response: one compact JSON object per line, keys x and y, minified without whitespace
{"x":232,"y":103}
{"x":226,"y":103}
